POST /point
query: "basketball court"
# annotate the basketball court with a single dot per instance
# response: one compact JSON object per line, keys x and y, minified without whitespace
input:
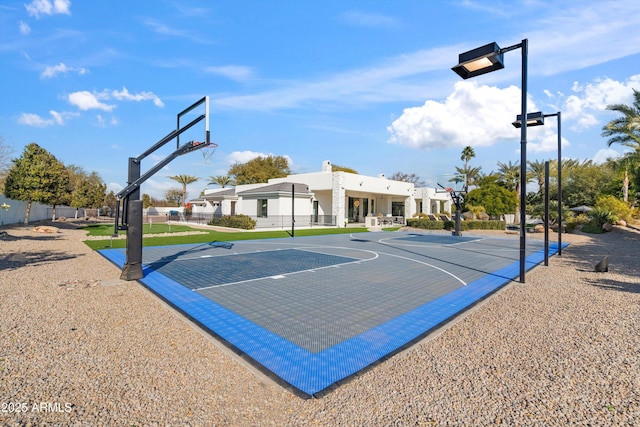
{"x":313,"y":311}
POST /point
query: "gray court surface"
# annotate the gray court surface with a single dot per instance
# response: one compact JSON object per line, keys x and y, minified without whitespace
{"x":312,"y":304}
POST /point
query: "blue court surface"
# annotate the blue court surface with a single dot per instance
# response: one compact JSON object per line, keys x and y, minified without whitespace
{"x":313,"y":311}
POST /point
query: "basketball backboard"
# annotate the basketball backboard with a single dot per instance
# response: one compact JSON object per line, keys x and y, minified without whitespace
{"x":204,"y":104}
{"x":450,"y":182}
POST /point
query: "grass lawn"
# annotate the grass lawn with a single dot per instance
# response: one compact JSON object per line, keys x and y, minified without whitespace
{"x":210,"y":236}
{"x":107,"y":229}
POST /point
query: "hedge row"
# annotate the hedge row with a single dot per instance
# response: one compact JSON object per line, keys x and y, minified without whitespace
{"x":234,"y":221}
{"x":429,"y":224}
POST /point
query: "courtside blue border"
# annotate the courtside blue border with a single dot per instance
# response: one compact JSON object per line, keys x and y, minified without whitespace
{"x":311,"y":373}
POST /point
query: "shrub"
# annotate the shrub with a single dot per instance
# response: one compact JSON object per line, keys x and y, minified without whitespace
{"x":428,"y":224}
{"x":600,"y":216}
{"x":424,"y":223}
{"x":618,"y":208}
{"x":575,"y":221}
{"x":234,"y":221}
{"x":476,"y":225}
{"x":592,"y":228}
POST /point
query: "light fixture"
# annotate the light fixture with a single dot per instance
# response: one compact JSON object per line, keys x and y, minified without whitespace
{"x":533,"y":119}
{"x":537,"y":119}
{"x":479,"y":61}
{"x":486,"y":59}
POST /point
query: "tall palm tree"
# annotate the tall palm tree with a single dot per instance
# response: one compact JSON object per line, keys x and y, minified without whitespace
{"x":184,"y":180}
{"x":222,"y":180}
{"x":510,"y":177}
{"x":467,"y":154}
{"x":537,"y":168}
{"x":624,"y":164}
{"x":625,"y":131}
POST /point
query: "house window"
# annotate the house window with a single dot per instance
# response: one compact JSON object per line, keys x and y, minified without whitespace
{"x":262,"y":208}
{"x":397,"y":208}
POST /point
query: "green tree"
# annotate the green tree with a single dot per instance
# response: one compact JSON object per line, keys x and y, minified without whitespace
{"x":260,"y":170}
{"x":5,"y":160}
{"x":222,"y":181}
{"x":174,"y":197}
{"x":470,"y":174}
{"x":405,"y":177}
{"x":338,"y":168}
{"x":495,"y":199}
{"x":584,"y":182}
{"x":146,"y":201}
{"x":184,"y":180}
{"x":537,"y":169}
{"x":625,"y":130}
{"x":467,"y":154}
{"x":510,"y":178}
{"x":86,"y":190}
{"x":627,"y":169}
{"x":37,"y":176}
{"x":109,"y":204}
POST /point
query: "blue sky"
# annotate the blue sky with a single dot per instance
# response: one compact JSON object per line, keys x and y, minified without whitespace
{"x":366,"y":84}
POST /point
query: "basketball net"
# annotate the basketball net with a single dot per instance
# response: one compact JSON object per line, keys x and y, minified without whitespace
{"x":207,"y":153}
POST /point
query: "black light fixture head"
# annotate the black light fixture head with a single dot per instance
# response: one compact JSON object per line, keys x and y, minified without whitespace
{"x":533,"y":119}
{"x":480,"y":61}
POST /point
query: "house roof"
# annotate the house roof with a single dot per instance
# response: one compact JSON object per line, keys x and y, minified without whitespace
{"x":222,"y":194}
{"x":281,"y":187}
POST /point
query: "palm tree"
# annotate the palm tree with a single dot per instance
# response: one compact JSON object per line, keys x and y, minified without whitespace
{"x":471,"y":175}
{"x":510,"y":177}
{"x":221,"y":180}
{"x":184,"y":180}
{"x":537,"y":169}
{"x":466,"y":155}
{"x":625,"y":130}
{"x":629,"y":161}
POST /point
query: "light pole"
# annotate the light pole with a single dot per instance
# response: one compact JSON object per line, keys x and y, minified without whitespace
{"x":486,"y":59}
{"x":537,"y":119}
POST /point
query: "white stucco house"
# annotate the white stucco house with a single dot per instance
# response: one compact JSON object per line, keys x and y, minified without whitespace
{"x":323,"y":198}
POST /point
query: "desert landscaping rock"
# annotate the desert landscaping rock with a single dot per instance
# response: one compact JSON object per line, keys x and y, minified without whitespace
{"x":78,"y":347}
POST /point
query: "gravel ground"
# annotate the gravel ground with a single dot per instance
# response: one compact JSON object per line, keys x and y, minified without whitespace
{"x":78,"y":347}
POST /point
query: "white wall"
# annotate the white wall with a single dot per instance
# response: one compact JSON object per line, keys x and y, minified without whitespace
{"x":18,"y":209}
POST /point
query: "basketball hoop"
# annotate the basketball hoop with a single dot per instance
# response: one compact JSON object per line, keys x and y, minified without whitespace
{"x":207,"y":153}
{"x":449,"y":189}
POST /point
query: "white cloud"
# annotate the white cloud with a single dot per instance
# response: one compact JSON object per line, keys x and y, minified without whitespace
{"x":58,"y":118}
{"x":472,"y":115}
{"x":61,"y":68}
{"x":115,"y":187}
{"x":400,"y":78}
{"x":141,"y":96}
{"x":589,"y":100}
{"x":233,"y":72}
{"x":24,"y":28}
{"x":245,"y":156}
{"x":34,"y":120}
{"x":45,"y":7}
{"x":85,"y":100}
{"x":604,"y":154}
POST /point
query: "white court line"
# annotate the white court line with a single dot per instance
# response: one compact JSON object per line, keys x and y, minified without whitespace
{"x":449,"y":245}
{"x":310,"y":270}
{"x":430,"y":265}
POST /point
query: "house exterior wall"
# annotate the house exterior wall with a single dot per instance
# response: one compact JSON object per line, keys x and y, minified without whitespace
{"x":332,"y":191}
{"x":432,"y":202}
